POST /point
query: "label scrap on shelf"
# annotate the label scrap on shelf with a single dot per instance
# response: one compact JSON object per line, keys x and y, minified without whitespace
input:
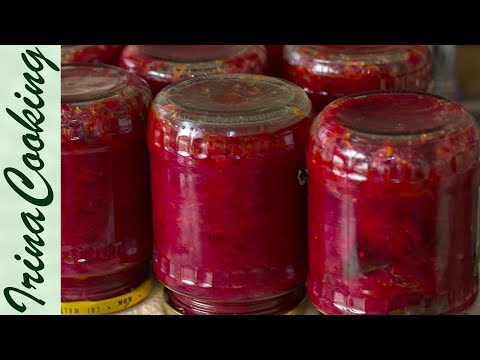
{"x":108,"y":306}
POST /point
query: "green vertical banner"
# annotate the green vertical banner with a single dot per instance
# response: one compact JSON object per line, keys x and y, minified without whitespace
{"x":30,"y":179}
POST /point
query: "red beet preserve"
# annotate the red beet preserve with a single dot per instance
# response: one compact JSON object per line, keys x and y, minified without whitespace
{"x":106,"y":221}
{"x":328,"y":72}
{"x":100,"y":54}
{"x":162,"y":65}
{"x":393,"y":183}
{"x":229,"y":197}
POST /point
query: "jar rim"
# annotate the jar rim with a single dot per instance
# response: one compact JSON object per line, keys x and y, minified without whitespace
{"x":233,"y":101}
{"x":185,"y":54}
{"x":98,"y":81}
{"x":362,"y":55}
{"x":162,"y":62}
{"x":402,"y":121}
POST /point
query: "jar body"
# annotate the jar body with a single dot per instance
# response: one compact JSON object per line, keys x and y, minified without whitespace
{"x":393,"y":228}
{"x":162,"y":65}
{"x":106,"y":221}
{"x":327,"y":73}
{"x":99,"y":54}
{"x":230,"y":226}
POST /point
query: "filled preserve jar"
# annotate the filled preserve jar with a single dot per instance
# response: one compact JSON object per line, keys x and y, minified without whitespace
{"x":162,"y":65}
{"x":328,"y":72}
{"x":393,"y":181}
{"x":101,"y":54}
{"x":106,"y":212}
{"x":229,"y":194}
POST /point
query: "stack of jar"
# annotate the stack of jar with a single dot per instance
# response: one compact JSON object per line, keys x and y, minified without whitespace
{"x":223,"y":190}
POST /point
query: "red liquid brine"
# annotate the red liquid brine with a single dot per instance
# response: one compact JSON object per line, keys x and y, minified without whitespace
{"x":393,"y":183}
{"x":99,"y":54}
{"x":106,"y":221}
{"x":229,"y":197}
{"x":162,"y":65}
{"x":328,"y":72}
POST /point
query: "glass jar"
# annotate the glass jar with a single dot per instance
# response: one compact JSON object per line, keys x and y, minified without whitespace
{"x":328,"y":72}
{"x":106,"y":221}
{"x":274,"y":59}
{"x":393,"y":181}
{"x":162,"y":65}
{"x":100,"y":54}
{"x":229,"y":198}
